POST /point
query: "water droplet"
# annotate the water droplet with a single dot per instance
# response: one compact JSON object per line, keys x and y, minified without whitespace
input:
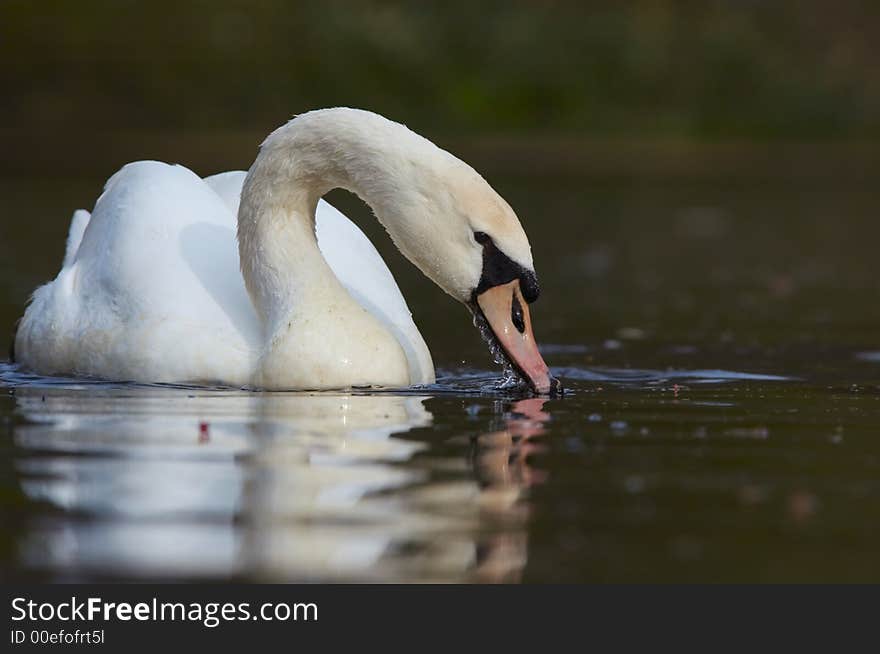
{"x":631,"y":333}
{"x":510,"y":377}
{"x":612,"y":344}
{"x":634,"y":484}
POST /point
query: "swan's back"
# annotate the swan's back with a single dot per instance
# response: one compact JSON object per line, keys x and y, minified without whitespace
{"x":152,"y":292}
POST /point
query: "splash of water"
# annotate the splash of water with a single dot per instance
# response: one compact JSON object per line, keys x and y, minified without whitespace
{"x":510,"y":377}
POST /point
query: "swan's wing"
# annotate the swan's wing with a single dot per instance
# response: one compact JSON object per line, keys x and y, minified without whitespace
{"x":154,"y":290}
{"x":228,"y":187}
{"x":356,"y":263}
{"x":157,"y":233}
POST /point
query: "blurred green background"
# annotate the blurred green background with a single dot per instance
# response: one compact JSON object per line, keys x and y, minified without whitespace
{"x":695,"y":70}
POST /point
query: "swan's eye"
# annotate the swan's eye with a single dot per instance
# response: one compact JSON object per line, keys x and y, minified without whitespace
{"x":499,"y":269}
{"x":516,"y":315}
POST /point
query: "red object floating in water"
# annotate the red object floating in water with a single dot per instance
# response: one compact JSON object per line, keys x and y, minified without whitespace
{"x":204,"y":436}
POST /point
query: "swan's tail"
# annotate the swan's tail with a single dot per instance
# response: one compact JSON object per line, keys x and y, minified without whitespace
{"x":78,"y":225}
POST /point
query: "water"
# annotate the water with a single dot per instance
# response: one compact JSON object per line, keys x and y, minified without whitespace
{"x":719,"y":341}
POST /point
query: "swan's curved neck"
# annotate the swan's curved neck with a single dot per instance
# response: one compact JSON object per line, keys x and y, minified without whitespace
{"x":298,"y":163}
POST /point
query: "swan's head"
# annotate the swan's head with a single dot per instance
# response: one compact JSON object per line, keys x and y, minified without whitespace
{"x":467,"y":239}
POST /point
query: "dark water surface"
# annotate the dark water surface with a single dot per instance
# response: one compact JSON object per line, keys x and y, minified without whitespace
{"x":719,"y":340}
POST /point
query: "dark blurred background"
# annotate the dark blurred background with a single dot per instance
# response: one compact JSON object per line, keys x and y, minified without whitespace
{"x":742,"y":69}
{"x":679,"y":166}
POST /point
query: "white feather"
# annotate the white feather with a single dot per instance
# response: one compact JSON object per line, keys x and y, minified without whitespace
{"x":78,"y":225}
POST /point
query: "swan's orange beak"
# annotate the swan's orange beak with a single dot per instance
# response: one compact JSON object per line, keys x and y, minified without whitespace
{"x":508,"y":315}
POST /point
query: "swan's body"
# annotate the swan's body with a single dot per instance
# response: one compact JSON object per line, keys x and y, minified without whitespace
{"x":156,"y":294}
{"x":155,"y":288}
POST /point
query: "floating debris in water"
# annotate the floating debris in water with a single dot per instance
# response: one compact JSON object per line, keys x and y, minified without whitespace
{"x":802,"y":505}
{"x":634,"y":484}
{"x":631,"y":333}
{"x":612,"y":344}
{"x":619,"y":426}
{"x":204,"y":432}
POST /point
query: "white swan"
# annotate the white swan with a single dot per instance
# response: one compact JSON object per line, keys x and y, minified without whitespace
{"x":153,"y":288}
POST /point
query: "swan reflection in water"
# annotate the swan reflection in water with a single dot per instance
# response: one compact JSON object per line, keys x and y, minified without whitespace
{"x":165,"y":484}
